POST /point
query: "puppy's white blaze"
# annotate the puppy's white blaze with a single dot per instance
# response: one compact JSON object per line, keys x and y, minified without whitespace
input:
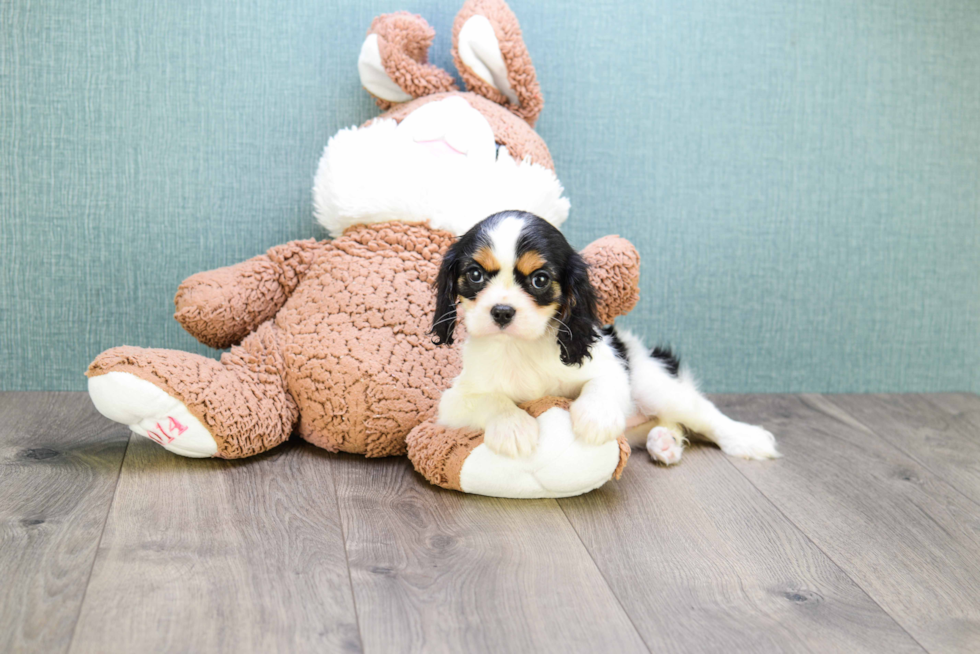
{"x":503,"y":237}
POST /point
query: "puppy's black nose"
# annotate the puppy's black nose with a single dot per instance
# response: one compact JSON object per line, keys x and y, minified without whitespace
{"x":502,"y":314}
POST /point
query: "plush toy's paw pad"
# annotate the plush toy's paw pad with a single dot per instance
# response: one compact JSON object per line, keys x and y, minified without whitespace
{"x":596,"y":424}
{"x":514,"y":434}
{"x":149,"y":411}
{"x":665,"y":445}
{"x":747,"y":442}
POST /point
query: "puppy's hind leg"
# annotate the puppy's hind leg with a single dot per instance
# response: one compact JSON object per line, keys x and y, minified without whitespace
{"x":672,"y":396}
{"x":733,"y":437}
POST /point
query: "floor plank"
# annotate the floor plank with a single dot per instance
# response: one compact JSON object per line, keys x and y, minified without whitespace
{"x":439,"y":571}
{"x":898,"y":530}
{"x":232,"y":556}
{"x":59,"y":462}
{"x":704,"y":563}
{"x":870,"y":523}
{"x":965,"y":406}
{"x":939,"y":431}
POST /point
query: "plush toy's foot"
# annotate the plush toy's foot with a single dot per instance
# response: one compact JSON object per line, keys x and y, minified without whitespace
{"x":665,"y":445}
{"x":560,"y":466}
{"x":150,"y":412}
{"x":196,"y":406}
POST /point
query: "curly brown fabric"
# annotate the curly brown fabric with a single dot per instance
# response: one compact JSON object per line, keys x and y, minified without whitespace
{"x":520,"y":71}
{"x":221,"y":307}
{"x":438,"y":452}
{"x":614,"y":270}
{"x":509,"y":130}
{"x":403,"y":41}
{"x":242,"y":399}
{"x":360,"y":363}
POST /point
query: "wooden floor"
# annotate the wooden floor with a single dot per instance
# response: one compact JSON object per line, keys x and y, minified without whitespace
{"x":864,"y":537}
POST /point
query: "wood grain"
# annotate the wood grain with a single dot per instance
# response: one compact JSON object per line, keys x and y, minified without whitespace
{"x":865,"y":536}
{"x":59,"y":462}
{"x":902,"y":533}
{"x":964,"y":406}
{"x":210,"y":555}
{"x":963,"y":409}
{"x":440,"y":571}
{"x":941,"y":432}
{"x":703,"y":562}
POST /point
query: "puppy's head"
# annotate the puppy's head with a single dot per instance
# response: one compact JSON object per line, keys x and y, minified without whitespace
{"x":516,"y":276}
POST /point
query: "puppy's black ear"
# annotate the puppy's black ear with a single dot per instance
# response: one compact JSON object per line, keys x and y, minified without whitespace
{"x":444,"y":322}
{"x":578,"y":313}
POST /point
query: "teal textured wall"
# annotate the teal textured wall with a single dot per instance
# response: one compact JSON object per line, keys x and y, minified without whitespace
{"x":802,"y":179}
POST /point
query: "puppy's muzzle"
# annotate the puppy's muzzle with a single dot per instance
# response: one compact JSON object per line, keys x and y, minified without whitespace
{"x":502,"y":314}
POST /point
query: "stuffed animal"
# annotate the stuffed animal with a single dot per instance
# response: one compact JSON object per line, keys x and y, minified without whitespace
{"x":330,"y":338}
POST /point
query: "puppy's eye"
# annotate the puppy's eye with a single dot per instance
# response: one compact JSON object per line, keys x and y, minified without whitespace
{"x":540,"y":279}
{"x":474,"y":276}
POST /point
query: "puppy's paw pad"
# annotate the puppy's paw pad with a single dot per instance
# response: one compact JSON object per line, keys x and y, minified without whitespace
{"x":514,"y":435}
{"x":664,"y":445}
{"x":596,"y":424}
{"x":747,"y":442}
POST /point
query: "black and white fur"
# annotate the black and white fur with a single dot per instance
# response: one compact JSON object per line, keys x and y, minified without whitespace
{"x":532,"y":330}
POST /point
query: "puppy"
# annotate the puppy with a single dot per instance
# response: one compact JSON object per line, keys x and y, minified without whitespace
{"x":532,"y":330}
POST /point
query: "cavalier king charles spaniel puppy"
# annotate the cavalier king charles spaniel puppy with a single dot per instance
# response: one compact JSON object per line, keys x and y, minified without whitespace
{"x":532,"y":330}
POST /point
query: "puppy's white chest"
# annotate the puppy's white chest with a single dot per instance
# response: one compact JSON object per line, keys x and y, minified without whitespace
{"x":518,"y":371}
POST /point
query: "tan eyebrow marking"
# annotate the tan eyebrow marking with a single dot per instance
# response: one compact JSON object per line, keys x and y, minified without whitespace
{"x":484,"y":257}
{"x":529,"y":262}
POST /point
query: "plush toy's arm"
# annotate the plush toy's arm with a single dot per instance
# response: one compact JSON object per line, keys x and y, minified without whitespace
{"x":614,"y":270}
{"x":221,"y":307}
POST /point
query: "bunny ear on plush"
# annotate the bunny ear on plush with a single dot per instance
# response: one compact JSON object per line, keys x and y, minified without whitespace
{"x":492,"y":59}
{"x":393,"y":63}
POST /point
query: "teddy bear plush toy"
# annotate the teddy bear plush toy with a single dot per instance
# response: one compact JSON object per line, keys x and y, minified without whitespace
{"x":330,"y":338}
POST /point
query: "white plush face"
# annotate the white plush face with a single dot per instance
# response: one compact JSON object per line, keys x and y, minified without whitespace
{"x":440,"y":164}
{"x":450,"y":131}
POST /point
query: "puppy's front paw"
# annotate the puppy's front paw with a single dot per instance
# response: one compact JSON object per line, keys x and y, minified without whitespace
{"x":513,"y":434}
{"x":596,"y":424}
